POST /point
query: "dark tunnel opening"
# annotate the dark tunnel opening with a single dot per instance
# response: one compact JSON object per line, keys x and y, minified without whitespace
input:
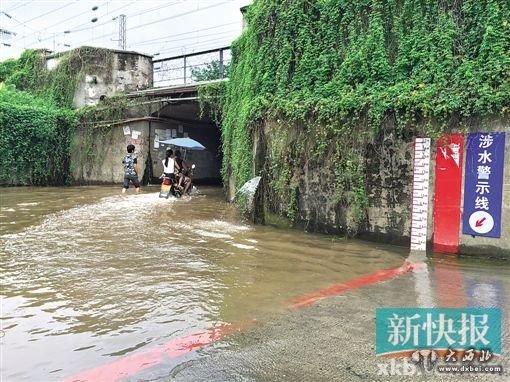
{"x":182,"y":119}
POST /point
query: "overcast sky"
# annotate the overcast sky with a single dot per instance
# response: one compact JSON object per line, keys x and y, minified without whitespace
{"x":167,"y":27}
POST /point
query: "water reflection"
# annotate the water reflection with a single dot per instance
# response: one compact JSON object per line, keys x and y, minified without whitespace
{"x":422,"y":283}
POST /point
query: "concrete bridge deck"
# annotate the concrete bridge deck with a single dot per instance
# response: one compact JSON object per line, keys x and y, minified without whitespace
{"x":173,"y":91}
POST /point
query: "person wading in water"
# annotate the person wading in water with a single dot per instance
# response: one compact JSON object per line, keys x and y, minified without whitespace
{"x":130,"y":169}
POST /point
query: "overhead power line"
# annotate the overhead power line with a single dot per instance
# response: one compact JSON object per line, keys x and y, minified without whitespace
{"x":178,"y":15}
{"x":18,"y":6}
{"x":136,"y":27}
{"x":17,"y":21}
{"x":156,"y":8}
{"x":179,"y":49}
{"x":72,"y":17}
{"x":156,"y":40}
{"x":158,"y":21}
{"x":51,"y":35}
{"x":47,"y":13}
{"x":77,"y":28}
{"x":185,"y":38}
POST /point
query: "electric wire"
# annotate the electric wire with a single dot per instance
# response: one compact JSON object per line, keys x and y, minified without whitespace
{"x":19,"y":6}
{"x":179,"y":15}
{"x":180,"y":50}
{"x":156,"y":40}
{"x":77,"y":30}
{"x":47,"y":13}
{"x":158,"y":21}
{"x":150,"y":41}
{"x":185,"y":38}
{"x":20,"y":23}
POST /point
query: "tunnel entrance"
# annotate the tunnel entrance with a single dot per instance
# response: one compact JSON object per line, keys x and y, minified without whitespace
{"x":181,"y":118}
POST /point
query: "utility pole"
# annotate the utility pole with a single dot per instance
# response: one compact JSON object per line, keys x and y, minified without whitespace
{"x":122,"y":32}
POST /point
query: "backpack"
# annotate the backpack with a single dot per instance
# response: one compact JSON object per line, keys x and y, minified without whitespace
{"x":129,"y":165}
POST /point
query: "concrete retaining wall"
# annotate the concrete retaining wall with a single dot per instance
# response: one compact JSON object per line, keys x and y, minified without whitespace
{"x":389,"y":186}
{"x":97,"y":153}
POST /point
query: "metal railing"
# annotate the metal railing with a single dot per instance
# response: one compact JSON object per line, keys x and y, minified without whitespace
{"x":193,"y":67}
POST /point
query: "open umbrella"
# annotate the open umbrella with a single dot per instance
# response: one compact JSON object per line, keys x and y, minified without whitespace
{"x":186,"y":143}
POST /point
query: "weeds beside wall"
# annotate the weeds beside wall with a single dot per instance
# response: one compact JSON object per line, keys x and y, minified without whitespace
{"x":340,"y":69}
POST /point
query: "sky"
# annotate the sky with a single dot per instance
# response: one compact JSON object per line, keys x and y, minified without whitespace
{"x":163,"y":28}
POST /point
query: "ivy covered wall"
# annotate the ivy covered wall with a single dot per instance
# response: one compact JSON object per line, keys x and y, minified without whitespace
{"x":35,"y":136}
{"x":36,"y":120}
{"x":38,"y":101}
{"x":321,"y":78}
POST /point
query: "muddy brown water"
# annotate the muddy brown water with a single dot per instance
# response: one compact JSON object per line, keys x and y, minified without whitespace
{"x":89,"y":276}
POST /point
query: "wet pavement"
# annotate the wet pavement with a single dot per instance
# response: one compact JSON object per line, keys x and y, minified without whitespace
{"x":90,"y":278}
{"x":333,"y":340}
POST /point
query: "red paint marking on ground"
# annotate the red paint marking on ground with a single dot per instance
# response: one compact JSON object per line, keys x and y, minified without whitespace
{"x":355,"y":283}
{"x":138,"y":362}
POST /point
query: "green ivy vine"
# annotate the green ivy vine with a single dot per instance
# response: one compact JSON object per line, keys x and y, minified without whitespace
{"x":35,"y":137}
{"x":27,"y":83}
{"x":343,"y":68}
{"x":36,"y":115}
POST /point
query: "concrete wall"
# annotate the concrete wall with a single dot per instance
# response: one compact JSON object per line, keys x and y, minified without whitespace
{"x":389,"y":186}
{"x":97,"y":153}
{"x":108,"y":72}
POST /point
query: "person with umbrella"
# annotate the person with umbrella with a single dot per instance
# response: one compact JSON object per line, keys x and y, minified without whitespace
{"x":183,"y":171}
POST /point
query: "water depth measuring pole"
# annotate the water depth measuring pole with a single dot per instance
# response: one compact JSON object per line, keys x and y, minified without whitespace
{"x":420,"y":194}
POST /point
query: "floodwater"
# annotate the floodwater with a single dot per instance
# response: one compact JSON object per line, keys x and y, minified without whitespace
{"x":90,"y":276}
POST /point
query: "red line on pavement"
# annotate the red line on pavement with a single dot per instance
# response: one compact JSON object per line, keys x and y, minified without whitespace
{"x":358,"y":282}
{"x":137,"y":362}
{"x":132,"y":364}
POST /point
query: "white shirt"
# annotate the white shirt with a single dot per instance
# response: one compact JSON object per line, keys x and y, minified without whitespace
{"x":170,"y":169}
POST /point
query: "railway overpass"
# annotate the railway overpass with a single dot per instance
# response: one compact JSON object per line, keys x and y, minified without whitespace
{"x":175,"y":109}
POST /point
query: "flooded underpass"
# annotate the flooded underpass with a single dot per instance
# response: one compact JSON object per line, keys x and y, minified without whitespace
{"x":99,"y":286}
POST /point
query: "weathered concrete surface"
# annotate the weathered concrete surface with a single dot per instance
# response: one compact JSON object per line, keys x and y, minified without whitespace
{"x":107,"y":72}
{"x":97,"y":152}
{"x":389,"y":188}
{"x":389,"y":176}
{"x":389,"y":172}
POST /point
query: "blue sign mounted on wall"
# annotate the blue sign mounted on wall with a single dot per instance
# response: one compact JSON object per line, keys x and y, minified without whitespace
{"x":483,"y":184}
